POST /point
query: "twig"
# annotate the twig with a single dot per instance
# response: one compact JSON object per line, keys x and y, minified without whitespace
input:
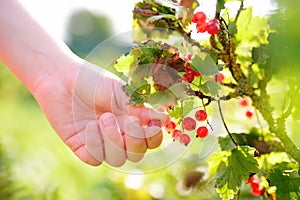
{"x":239,"y":11}
{"x":224,"y":123}
{"x":204,"y":107}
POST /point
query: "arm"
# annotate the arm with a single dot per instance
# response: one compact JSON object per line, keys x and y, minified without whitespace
{"x":24,"y":45}
{"x":85,"y":105}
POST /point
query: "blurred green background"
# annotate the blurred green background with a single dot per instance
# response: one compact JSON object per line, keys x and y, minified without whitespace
{"x":35,"y":164}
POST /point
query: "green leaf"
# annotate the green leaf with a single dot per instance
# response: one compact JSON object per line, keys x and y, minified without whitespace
{"x":161,"y":98}
{"x":205,"y":66}
{"x":137,"y":99}
{"x":232,"y":27}
{"x":124,"y":63}
{"x":251,"y":30}
{"x":220,"y":5}
{"x":226,"y":143}
{"x":138,"y":91}
{"x":244,"y":20}
{"x":158,"y":17}
{"x":239,"y":165}
{"x":178,"y":90}
{"x":210,"y":88}
{"x":287,"y":183}
{"x":188,"y":106}
{"x":260,"y":54}
{"x":175,"y":113}
{"x":243,"y":139}
{"x":214,"y":162}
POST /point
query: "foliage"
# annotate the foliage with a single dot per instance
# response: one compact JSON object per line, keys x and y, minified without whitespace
{"x":11,"y":190}
{"x":244,"y":50}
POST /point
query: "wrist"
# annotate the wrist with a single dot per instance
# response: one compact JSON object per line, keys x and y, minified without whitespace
{"x":53,"y":73}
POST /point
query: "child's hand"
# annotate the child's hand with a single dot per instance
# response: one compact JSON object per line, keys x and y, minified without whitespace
{"x":88,"y":109}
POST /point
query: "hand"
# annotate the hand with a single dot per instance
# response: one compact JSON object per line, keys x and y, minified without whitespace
{"x":88,"y":109}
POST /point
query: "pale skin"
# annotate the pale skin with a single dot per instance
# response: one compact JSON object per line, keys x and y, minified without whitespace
{"x":84,"y":104}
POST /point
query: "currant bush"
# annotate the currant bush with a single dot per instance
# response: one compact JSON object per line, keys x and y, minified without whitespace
{"x":179,"y":74}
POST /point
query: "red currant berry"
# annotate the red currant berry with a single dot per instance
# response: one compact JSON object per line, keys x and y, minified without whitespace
{"x":219,"y":77}
{"x":202,"y":132}
{"x":189,"y":124}
{"x":257,"y":191}
{"x":196,"y":73}
{"x":185,"y":139}
{"x":170,"y":126}
{"x":201,"y":27}
{"x":188,"y":77}
{"x":189,"y":56}
{"x":201,"y":115}
{"x":255,"y":188}
{"x":254,"y":179}
{"x":198,"y":17}
{"x":249,"y":114}
{"x":243,"y":102}
{"x":176,"y":134}
{"x":213,"y":26}
{"x":189,"y":69}
{"x":154,"y":122}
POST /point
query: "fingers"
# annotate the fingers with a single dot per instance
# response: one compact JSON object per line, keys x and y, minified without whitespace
{"x":134,"y":138}
{"x":145,"y":114}
{"x":134,"y":142}
{"x":154,"y":136}
{"x":114,"y":148}
{"x":87,"y":144}
{"x":137,"y":137}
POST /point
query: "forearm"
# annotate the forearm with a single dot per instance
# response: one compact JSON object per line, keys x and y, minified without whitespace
{"x":26,"y":48}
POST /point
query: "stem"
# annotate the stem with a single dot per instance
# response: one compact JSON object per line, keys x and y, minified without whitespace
{"x":204,"y":107}
{"x":281,"y":132}
{"x":289,"y":145}
{"x":239,"y":11}
{"x":258,"y":121}
{"x":224,"y":123}
{"x":181,"y":113}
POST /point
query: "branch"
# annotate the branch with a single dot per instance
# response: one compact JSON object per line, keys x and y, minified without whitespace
{"x":202,"y":96}
{"x":260,"y":102}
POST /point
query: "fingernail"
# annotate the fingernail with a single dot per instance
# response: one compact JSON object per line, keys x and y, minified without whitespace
{"x":108,"y":121}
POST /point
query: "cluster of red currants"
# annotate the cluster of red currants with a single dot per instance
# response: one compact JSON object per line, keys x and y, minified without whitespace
{"x":212,"y":26}
{"x":245,"y":104}
{"x":188,"y":124}
{"x":190,"y":74}
{"x":256,"y":189}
